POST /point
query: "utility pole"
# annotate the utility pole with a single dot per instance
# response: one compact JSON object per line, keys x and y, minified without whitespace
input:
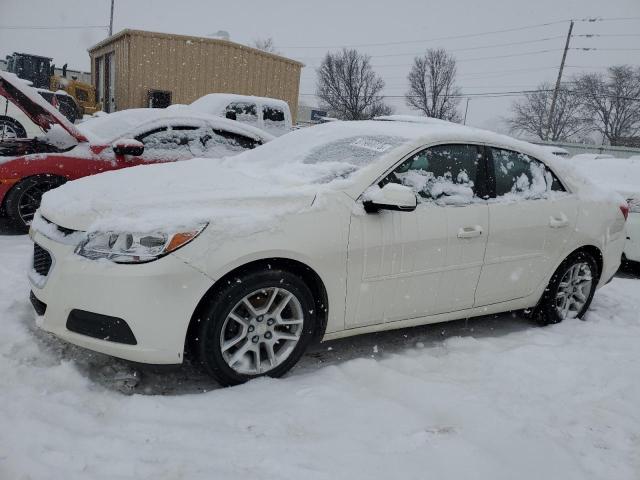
{"x":555,"y":91}
{"x":465,"y":112}
{"x":111,"y":20}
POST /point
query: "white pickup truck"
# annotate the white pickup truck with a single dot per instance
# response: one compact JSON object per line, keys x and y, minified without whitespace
{"x":269,"y":114}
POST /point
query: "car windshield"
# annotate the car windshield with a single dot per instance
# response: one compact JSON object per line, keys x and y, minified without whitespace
{"x":323,"y":153}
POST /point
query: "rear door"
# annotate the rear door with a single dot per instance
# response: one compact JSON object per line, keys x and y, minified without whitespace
{"x":531,"y":217}
{"x":405,"y":265}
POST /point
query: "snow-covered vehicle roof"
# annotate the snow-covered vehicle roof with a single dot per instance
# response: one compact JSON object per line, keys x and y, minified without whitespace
{"x":106,"y":128}
{"x":217,"y":102}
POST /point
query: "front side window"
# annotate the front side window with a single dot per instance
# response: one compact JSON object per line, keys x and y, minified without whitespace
{"x":519,"y":176}
{"x":444,"y":174}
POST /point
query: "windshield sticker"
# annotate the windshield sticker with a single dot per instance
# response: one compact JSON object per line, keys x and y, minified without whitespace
{"x":372,"y":144}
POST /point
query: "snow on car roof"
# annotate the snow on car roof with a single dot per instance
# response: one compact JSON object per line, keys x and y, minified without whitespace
{"x":217,"y":102}
{"x":107,"y":128}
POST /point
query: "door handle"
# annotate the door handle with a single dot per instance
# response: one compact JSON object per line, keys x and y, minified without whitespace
{"x":559,"y":221}
{"x":470,"y":232}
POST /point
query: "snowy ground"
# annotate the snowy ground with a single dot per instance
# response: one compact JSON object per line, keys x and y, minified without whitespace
{"x":497,"y":398}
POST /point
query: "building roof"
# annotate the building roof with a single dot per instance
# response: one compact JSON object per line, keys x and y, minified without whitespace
{"x":218,"y":41}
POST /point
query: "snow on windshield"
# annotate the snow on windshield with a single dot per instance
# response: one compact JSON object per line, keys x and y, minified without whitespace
{"x":351,"y":153}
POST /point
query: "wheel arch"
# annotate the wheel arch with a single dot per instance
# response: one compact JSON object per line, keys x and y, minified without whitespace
{"x":308,"y":275}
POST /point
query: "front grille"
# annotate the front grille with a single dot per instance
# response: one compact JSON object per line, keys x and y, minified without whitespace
{"x":41,"y":260}
{"x":63,"y":230}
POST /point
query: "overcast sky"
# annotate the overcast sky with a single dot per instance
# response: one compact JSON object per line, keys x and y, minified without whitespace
{"x":399,"y":28}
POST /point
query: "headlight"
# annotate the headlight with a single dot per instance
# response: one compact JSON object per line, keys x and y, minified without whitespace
{"x":125,"y":247}
{"x":634,"y":205}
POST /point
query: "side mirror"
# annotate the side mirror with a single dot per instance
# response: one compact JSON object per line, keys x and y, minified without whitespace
{"x":231,"y":115}
{"x":128,"y":146}
{"x":392,"y":196}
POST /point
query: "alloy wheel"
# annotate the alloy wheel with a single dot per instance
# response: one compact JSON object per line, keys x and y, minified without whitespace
{"x":261,"y":331}
{"x":574,"y":290}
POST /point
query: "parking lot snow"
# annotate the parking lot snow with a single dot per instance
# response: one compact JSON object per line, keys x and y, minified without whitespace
{"x":498,"y":398}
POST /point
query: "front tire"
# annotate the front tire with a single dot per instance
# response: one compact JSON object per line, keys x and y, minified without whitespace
{"x":24,"y":198}
{"x":570,"y":291}
{"x":258,"y":324}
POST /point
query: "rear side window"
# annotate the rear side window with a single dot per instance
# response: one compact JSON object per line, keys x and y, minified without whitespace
{"x":272,"y":114}
{"x":444,"y":174}
{"x":521,"y":176}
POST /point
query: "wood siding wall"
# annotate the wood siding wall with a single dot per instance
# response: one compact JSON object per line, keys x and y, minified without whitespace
{"x":190,"y":67}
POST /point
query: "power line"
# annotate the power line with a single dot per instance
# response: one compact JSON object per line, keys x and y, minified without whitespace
{"x":49,"y":27}
{"x":434,"y":39}
{"x":468,"y":35}
{"x":481,"y":47}
{"x":512,"y":93}
{"x":475,"y":59}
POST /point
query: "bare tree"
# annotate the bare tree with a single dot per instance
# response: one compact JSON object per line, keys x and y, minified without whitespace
{"x":348,"y":86}
{"x":432,"y":88}
{"x":266,"y":45}
{"x":611,"y":102}
{"x":531,"y":115}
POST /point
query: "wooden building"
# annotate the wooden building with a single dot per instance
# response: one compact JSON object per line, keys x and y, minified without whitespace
{"x":135,"y":68}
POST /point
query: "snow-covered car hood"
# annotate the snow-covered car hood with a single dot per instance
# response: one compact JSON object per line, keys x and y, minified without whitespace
{"x":181,"y":194}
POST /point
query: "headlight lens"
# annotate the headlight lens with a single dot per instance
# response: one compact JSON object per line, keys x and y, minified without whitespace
{"x":634,"y":205}
{"x":126,"y":247}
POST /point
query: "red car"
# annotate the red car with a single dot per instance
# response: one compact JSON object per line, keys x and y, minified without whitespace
{"x":30,"y":167}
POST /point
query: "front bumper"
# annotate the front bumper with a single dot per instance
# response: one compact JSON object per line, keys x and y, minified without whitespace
{"x":156,"y":300}
{"x":632,"y":246}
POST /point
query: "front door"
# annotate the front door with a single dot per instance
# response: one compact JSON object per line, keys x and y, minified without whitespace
{"x":406,"y":265}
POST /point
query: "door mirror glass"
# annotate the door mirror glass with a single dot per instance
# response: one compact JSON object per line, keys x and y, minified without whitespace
{"x":392,"y":196}
{"x":128,"y":146}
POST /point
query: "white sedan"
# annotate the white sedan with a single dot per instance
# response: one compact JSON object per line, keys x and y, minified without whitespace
{"x":330,"y":231}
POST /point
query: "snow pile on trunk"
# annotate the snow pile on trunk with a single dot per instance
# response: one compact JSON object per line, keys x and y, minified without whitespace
{"x":619,"y":174}
{"x":501,"y":399}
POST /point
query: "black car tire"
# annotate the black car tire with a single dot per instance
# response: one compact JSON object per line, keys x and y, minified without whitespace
{"x":546,"y":313}
{"x":207,"y":344}
{"x":12,"y":125}
{"x":29,"y":190}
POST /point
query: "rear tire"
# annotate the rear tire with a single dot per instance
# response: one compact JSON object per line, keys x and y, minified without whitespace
{"x":237,"y":341}
{"x":570,"y":290}
{"x":24,"y":198}
{"x":11,"y":128}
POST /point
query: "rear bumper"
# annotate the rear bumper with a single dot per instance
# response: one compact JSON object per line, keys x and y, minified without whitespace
{"x":632,"y":245}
